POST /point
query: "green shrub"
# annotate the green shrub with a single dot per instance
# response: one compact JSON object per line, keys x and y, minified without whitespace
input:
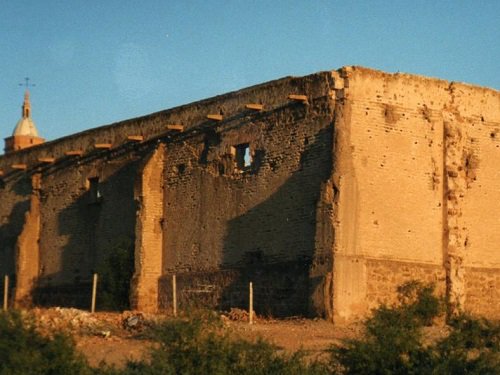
{"x":393,"y":342}
{"x":24,"y":351}
{"x":199,"y":346}
{"x":472,"y":347}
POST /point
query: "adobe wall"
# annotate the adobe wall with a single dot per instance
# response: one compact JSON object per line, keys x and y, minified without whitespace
{"x":418,"y":189}
{"x":76,"y":232}
{"x":367,"y":181}
{"x":79,"y":227}
{"x":15,"y":203}
{"x":225,"y":226}
{"x":272,"y":95}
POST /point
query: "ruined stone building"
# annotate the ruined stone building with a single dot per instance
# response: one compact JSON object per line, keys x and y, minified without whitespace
{"x":326,"y":191}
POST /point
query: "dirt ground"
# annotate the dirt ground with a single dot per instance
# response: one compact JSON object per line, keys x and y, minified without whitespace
{"x":115,"y":338}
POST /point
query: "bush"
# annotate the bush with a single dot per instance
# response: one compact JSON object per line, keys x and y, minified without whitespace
{"x":24,"y":351}
{"x":199,"y":346}
{"x":472,"y":347}
{"x":393,"y":342}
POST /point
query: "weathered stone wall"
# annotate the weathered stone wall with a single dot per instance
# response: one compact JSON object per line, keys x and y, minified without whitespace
{"x":81,"y":224}
{"x":14,"y":204}
{"x":359,"y":182}
{"x":407,"y":168}
{"x":194,"y":115}
{"x":76,"y":229}
{"x":225,"y":226}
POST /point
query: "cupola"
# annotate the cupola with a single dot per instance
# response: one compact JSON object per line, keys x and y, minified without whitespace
{"x":25,"y":133}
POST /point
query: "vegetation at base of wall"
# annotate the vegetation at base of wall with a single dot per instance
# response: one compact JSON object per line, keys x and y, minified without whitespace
{"x":200,"y":345}
{"x":24,"y":351}
{"x":394,"y":342}
{"x":115,"y":274}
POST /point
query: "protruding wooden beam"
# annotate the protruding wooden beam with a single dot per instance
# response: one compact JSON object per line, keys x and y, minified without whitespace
{"x":47,"y":160}
{"x":19,"y":166}
{"x":255,"y":106}
{"x":214,"y":117}
{"x":103,"y":146}
{"x":1,"y":173}
{"x":74,"y":153}
{"x":176,"y":127}
{"x":299,"y":98}
{"x":135,"y":138}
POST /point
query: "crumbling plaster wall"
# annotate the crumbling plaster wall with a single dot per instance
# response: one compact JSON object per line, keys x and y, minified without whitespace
{"x":478,"y":111}
{"x":80,"y":226}
{"x":72,"y":231}
{"x":148,"y":193}
{"x":27,"y":248}
{"x":410,"y":199}
{"x":225,"y":226}
{"x":14,"y":203}
{"x":396,"y":173}
{"x":272,"y":95}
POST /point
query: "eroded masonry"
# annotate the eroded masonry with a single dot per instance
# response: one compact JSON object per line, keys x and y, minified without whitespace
{"x":326,"y":191}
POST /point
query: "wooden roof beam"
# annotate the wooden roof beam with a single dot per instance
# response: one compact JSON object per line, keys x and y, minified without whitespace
{"x":299,"y":98}
{"x":74,"y":153}
{"x":46,"y":160}
{"x":21,"y":167}
{"x":135,"y":138}
{"x":215,"y":117}
{"x":255,"y":106}
{"x":103,"y":146}
{"x":176,"y":127}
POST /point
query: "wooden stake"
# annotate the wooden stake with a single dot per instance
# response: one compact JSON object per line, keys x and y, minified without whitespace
{"x":174,"y":294}
{"x":5,"y":292}
{"x":250,"y":307}
{"x":94,"y":291}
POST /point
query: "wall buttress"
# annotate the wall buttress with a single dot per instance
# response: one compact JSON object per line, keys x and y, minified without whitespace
{"x":27,"y":248}
{"x":149,"y":233}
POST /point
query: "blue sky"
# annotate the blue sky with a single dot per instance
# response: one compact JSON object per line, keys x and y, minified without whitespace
{"x":97,"y":62}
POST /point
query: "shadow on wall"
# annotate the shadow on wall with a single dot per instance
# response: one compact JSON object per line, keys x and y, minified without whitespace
{"x":272,"y":245}
{"x":275,"y":240}
{"x":10,"y":229}
{"x":94,"y":227}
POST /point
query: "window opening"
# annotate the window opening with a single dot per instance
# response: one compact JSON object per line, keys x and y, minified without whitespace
{"x":243,"y":156}
{"x":95,"y":195}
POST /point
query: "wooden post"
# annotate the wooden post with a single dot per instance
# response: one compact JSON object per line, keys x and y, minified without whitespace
{"x":174,"y":294}
{"x":250,"y":307}
{"x":94,"y":290}
{"x":5,"y":292}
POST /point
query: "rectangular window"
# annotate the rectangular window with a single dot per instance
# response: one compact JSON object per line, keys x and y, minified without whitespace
{"x":243,"y":156}
{"x":95,"y":195}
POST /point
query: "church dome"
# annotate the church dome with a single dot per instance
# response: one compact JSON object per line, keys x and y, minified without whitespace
{"x":25,"y":126}
{"x":25,"y":133}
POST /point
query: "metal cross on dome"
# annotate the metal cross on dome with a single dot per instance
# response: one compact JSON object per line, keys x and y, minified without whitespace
{"x":27,"y":83}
